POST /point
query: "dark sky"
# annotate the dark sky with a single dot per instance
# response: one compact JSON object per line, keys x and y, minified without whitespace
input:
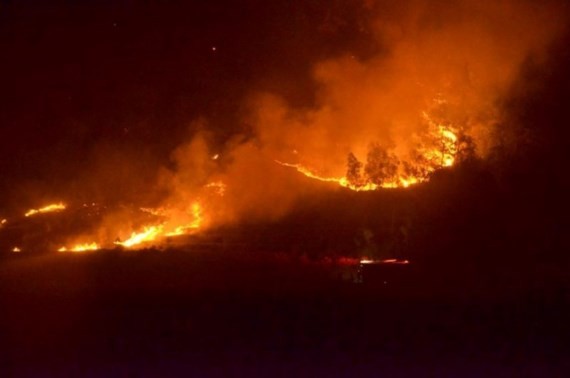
{"x":79,"y":78}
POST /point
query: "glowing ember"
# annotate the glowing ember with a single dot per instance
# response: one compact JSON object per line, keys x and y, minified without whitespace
{"x":3,"y":222}
{"x":149,"y":233}
{"x":159,"y":212}
{"x":218,"y":186}
{"x":366,"y":261}
{"x":46,"y":209}
{"x":387,"y":261}
{"x":81,"y":248}
{"x":16,"y":249}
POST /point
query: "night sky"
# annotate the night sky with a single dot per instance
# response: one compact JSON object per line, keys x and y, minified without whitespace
{"x":90,"y":78}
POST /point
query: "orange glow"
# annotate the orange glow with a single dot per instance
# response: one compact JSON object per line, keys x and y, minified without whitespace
{"x":148,"y":234}
{"x":16,"y":249}
{"x":159,"y":212}
{"x":46,"y":209}
{"x":81,"y":248}
{"x":196,"y":211}
{"x":218,"y":186}
{"x":3,"y":222}
{"x":367,"y":261}
{"x":438,"y":150}
{"x":446,"y":150}
{"x":386,"y":261}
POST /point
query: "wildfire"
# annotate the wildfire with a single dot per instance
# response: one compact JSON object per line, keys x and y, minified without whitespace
{"x":218,"y":186}
{"x":149,"y":233}
{"x":81,"y":248}
{"x":158,"y":212}
{"x":383,"y":169}
{"x":170,"y":221}
{"x":46,"y":209}
{"x":386,"y":261}
{"x":196,"y":211}
{"x":446,"y":149}
{"x":342,"y":181}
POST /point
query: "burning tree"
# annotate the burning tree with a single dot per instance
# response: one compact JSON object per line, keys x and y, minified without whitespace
{"x":353,"y":172}
{"x":465,"y":147}
{"x":381,"y":166}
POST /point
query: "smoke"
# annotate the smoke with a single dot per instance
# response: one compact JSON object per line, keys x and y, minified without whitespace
{"x":455,"y":62}
{"x":450,"y":63}
{"x":436,"y":62}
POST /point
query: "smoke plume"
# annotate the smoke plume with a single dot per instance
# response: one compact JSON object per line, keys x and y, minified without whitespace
{"x":449,"y":63}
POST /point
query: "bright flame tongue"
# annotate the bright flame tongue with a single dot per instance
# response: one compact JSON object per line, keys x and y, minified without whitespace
{"x":81,"y":248}
{"x":148,"y":234}
{"x":46,"y":209}
{"x":342,"y":181}
{"x":196,"y":211}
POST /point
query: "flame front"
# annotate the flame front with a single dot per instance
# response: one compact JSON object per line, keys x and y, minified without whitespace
{"x":169,"y":220}
{"x":81,"y":248}
{"x":154,"y":232}
{"x":437,"y":149}
{"x":196,"y":211}
{"x":148,"y":234}
{"x":46,"y":209}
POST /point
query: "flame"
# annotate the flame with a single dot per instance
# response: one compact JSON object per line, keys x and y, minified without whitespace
{"x":46,"y":209}
{"x":149,"y":233}
{"x":172,"y":221}
{"x":81,"y":248}
{"x":196,"y":211}
{"x":439,"y":150}
{"x":386,"y":261}
{"x":342,"y":181}
{"x":445,"y":153}
{"x":3,"y":222}
{"x":158,"y":212}
{"x":16,"y":249}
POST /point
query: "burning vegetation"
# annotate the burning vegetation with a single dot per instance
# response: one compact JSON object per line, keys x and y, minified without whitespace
{"x":426,"y":98}
{"x":46,"y":209}
{"x":106,"y":227}
{"x":439,"y":147}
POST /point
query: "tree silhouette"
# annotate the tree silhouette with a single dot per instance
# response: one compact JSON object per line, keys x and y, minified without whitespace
{"x":381,"y":166}
{"x":353,"y":171}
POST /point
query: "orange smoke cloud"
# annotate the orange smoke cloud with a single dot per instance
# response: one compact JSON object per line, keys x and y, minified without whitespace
{"x":454,"y":62}
{"x":445,"y":66}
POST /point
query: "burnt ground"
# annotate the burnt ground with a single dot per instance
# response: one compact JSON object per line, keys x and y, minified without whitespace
{"x":214,"y":312}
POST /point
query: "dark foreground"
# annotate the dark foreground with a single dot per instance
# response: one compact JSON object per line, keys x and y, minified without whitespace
{"x":211,"y":313}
